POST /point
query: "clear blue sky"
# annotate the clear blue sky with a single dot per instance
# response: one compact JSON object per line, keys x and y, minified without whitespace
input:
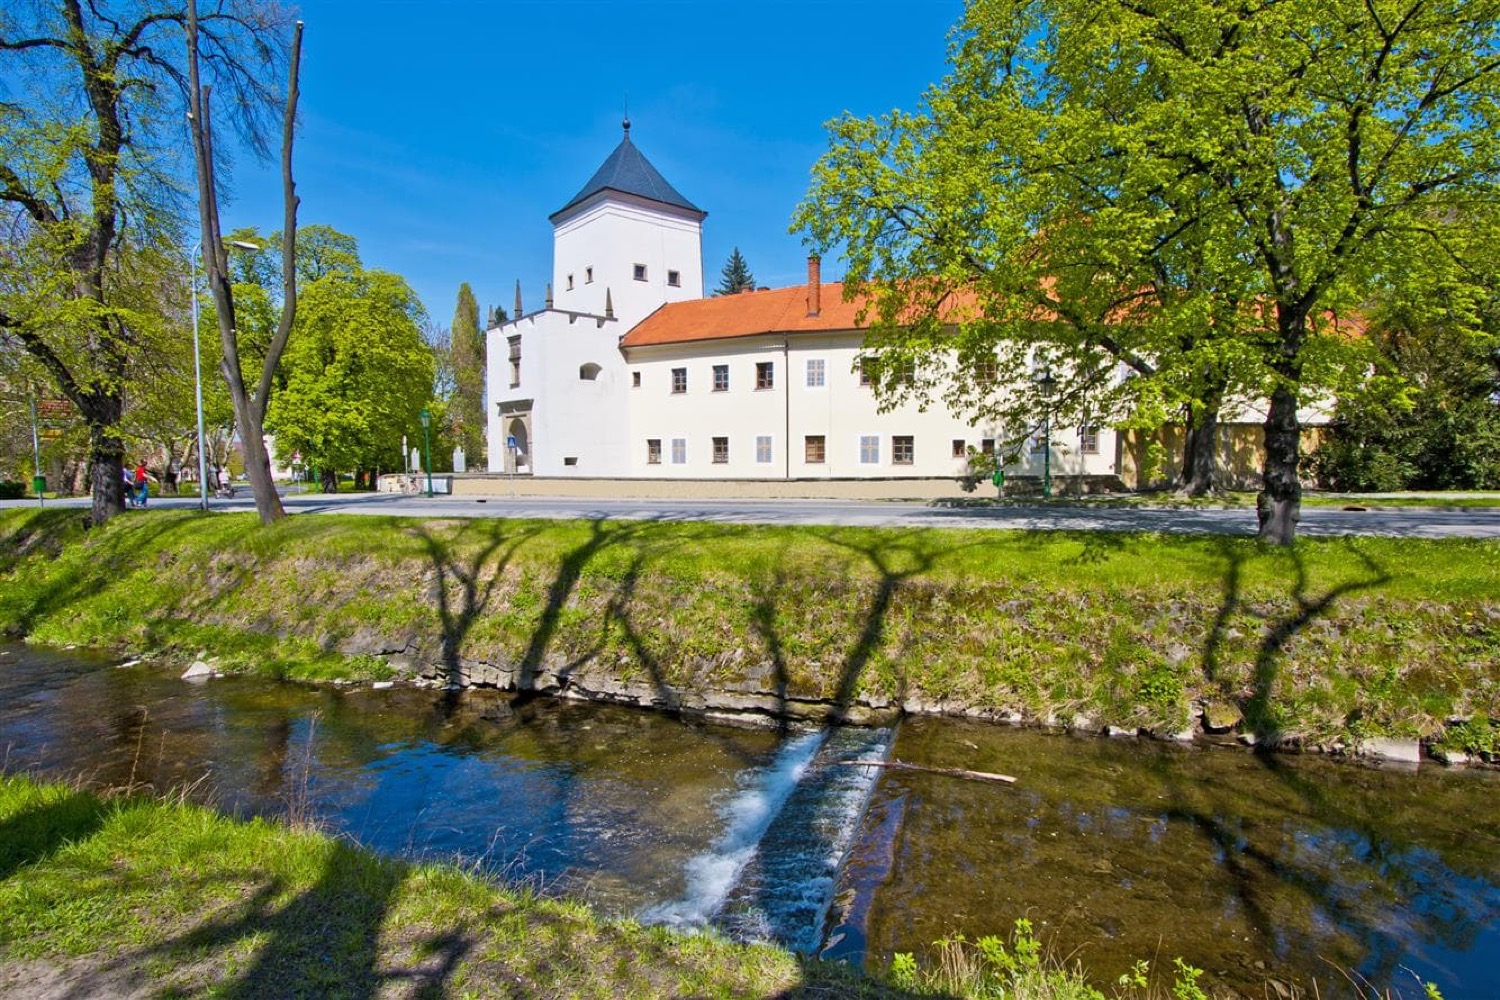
{"x":442,"y":134}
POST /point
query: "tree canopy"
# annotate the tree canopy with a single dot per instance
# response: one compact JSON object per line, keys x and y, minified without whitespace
{"x":466,"y":406}
{"x":1196,"y":193}
{"x":356,"y":374}
{"x":88,"y":135}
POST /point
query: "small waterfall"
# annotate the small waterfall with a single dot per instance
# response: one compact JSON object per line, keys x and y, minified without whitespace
{"x":771,"y":874}
{"x":787,"y":887}
{"x":747,"y":814}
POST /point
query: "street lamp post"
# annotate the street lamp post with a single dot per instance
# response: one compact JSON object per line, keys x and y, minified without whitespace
{"x":198,"y":368}
{"x":427,"y":448}
{"x":1046,"y":383}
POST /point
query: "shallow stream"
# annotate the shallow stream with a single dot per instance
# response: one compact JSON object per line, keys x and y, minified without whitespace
{"x":1256,"y":867}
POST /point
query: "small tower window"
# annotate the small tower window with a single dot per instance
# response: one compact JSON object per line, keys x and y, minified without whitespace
{"x":570,"y":282}
{"x":588,"y":276}
{"x":640,"y":272}
{"x":588,"y":372}
{"x":674,"y":278}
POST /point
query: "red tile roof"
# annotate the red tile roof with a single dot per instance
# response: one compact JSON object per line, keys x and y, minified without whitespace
{"x":777,"y":310}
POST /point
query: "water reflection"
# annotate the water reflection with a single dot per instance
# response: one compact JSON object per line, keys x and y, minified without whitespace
{"x":1251,"y":866}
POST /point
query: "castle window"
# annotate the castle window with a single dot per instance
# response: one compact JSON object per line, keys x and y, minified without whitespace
{"x":635,"y":380}
{"x":679,"y":451}
{"x":570,"y":282}
{"x":903,"y":450}
{"x":721,"y":451}
{"x":1088,"y":440}
{"x":815,"y":373}
{"x":679,"y":380}
{"x":640,"y":272}
{"x":869,"y":449}
{"x":588,"y":276}
{"x":515,"y":360}
{"x":763,"y":449}
{"x":765,"y":375}
{"x":721,"y":378}
{"x":653,"y":451}
{"x":959,"y":448}
{"x":589,"y":372}
{"x":674,"y":278}
{"x":815,"y":449}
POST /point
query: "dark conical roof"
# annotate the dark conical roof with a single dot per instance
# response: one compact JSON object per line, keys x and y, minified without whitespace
{"x":629,"y":172}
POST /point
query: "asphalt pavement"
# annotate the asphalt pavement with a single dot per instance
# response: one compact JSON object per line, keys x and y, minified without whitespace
{"x":1403,"y":522}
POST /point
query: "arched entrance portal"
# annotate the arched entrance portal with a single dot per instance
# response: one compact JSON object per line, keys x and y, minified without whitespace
{"x":518,"y":458}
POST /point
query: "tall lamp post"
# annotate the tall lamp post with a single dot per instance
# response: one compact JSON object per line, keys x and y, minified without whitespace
{"x":427,"y":448}
{"x":198,"y":367}
{"x":1046,"y":383}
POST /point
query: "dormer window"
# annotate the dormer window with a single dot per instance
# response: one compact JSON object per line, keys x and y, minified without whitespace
{"x":674,"y":278}
{"x":640,"y":272}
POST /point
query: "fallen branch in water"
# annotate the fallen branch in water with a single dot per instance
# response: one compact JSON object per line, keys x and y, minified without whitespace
{"x":952,"y":772}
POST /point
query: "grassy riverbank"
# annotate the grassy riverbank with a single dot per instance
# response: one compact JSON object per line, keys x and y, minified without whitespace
{"x":115,"y":893}
{"x":1330,"y":641}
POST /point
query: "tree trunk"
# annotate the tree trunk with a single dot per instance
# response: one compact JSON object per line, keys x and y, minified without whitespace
{"x":106,"y":467}
{"x":1280,"y":501}
{"x":330,"y":481}
{"x":1200,"y":453}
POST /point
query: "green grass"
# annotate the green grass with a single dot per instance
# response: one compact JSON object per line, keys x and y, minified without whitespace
{"x":1328,"y":640}
{"x":202,"y":905}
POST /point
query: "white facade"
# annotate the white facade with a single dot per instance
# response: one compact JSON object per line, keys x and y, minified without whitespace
{"x":829,"y":429}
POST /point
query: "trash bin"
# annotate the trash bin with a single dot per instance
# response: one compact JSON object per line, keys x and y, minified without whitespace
{"x":39,"y":485}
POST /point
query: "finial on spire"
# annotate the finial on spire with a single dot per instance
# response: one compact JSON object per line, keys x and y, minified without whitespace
{"x":626,"y":125}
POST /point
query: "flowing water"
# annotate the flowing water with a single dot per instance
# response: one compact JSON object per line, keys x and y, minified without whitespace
{"x":1256,"y":867}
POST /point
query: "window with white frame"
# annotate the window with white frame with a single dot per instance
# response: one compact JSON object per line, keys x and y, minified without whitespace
{"x":721,"y":378}
{"x":869,"y":449}
{"x":1088,"y":440}
{"x":816,"y":373}
{"x":679,"y":380}
{"x":986,"y":446}
{"x":960,"y":448}
{"x":674,"y":278}
{"x":866,"y":371}
{"x":639,"y":272}
{"x":679,"y":451}
{"x":763,"y":449}
{"x":765,"y":375}
{"x":515,"y":360}
{"x":815,"y":449}
{"x":653,"y":451}
{"x":721,"y":450}
{"x":903,"y":449}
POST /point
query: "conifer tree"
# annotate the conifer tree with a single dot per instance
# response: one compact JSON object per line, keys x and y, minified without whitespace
{"x":467,"y":409}
{"x":736,"y":276}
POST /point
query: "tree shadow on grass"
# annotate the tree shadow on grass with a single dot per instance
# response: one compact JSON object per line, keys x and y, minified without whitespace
{"x":474,"y":578}
{"x":44,"y":828}
{"x":1279,"y":628}
{"x":323,"y":942}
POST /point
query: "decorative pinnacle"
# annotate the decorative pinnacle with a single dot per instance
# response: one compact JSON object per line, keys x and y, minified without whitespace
{"x":626,"y":125}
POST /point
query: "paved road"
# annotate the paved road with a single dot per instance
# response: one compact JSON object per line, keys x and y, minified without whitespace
{"x":1406,"y":522}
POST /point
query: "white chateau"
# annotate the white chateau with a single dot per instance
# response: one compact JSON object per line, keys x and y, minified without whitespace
{"x":629,"y":371}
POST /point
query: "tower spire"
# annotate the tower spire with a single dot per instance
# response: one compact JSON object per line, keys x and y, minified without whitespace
{"x":517,"y":313}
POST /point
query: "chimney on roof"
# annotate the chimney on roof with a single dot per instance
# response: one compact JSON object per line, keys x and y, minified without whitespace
{"x":517,"y":313}
{"x":814,"y":285}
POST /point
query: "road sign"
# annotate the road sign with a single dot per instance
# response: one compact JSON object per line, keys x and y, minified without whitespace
{"x":510,"y":441}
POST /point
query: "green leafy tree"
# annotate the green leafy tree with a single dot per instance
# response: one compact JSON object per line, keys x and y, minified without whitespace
{"x":465,"y":409}
{"x":1202,"y":187}
{"x":736,"y":276}
{"x":88,"y":134}
{"x":355,"y":377}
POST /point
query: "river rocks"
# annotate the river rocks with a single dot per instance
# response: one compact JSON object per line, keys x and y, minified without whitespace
{"x":200,"y":670}
{"x":1452,"y":758}
{"x":1387,"y":748}
{"x":366,"y":641}
{"x":1221,"y":716}
{"x":1118,"y":731}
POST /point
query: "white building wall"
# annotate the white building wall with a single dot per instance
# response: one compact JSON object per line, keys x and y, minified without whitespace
{"x":611,"y":234}
{"x":842,"y":411}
